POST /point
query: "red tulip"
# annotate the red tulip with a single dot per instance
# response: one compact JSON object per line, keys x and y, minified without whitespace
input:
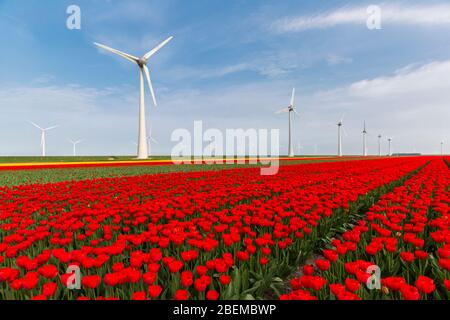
{"x":447,"y":284}
{"x":212,"y":295}
{"x":187,"y":278}
{"x":154,"y":291}
{"x":175,"y":266}
{"x":409,"y":292}
{"x":407,"y":257}
{"x":49,"y":289}
{"x":323,"y":264}
{"x":181,"y":295}
{"x":140,"y":295}
{"x":224,"y":279}
{"x":91,"y":282}
{"x":425,"y":284}
{"x":352,"y":285}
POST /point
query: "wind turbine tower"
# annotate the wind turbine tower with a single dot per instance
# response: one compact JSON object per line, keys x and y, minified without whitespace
{"x":379,"y":145}
{"x":390,"y":145}
{"x":341,"y":130}
{"x":364,"y":140}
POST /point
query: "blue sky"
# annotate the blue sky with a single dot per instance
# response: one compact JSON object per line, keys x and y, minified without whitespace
{"x":231,"y":64}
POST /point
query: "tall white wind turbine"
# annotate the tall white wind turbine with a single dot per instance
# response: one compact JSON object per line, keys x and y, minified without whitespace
{"x":142,"y":152}
{"x":442,"y":148}
{"x":390,"y":147}
{"x":379,"y":145}
{"x":289,"y":110}
{"x":43,"y":130}
{"x":74,"y":145}
{"x":341,"y":129}
{"x":364,"y":133}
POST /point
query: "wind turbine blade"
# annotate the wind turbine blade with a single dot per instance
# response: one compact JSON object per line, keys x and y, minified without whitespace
{"x":155,"y":49}
{"x":293,"y":97}
{"x":34,"y":124}
{"x":120,"y":53}
{"x":50,"y":128}
{"x":282,"y":110}
{"x":295,"y":111}
{"x":149,"y":81}
{"x":342,"y":118}
{"x":345,"y":131}
{"x":154,"y":140}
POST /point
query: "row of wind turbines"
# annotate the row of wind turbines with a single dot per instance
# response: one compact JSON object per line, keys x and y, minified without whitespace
{"x":341,"y":130}
{"x":143,"y":144}
{"x":150,"y":139}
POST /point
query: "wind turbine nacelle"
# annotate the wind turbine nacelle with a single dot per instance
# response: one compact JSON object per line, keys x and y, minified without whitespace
{"x":141,"y":62}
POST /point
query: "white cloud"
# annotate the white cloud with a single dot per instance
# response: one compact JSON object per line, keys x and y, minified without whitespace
{"x":391,"y":14}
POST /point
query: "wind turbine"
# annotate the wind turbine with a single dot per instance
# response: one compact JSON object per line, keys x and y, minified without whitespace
{"x":364,"y":140}
{"x":74,"y":143}
{"x":289,"y":110}
{"x":149,"y":140}
{"x":379,"y":145}
{"x":390,"y":146}
{"x":340,"y":125}
{"x":142,"y":152}
{"x":43,"y":130}
{"x":442,"y":148}
{"x":300,"y":148}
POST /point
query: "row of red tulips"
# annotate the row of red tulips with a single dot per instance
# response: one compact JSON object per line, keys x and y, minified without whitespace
{"x":399,"y":250}
{"x":203,"y":235}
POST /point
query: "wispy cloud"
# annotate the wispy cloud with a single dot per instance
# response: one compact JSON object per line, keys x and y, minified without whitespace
{"x":334,"y":60}
{"x":391,"y":14}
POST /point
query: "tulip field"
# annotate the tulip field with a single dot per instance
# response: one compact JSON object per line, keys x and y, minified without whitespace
{"x":233,"y":234}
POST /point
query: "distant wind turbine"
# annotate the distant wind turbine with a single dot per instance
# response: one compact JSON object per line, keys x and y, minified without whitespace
{"x":43,"y":130}
{"x":74,"y":143}
{"x":379,"y":145}
{"x":364,"y":133}
{"x":442,"y":148}
{"x":390,"y":146}
{"x":300,"y":148}
{"x":340,"y":125}
{"x":149,"y":140}
{"x":289,"y":110}
{"x":143,"y":70}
